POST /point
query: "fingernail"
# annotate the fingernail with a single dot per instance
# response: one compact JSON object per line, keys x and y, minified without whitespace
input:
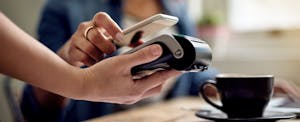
{"x":156,"y":50}
{"x":120,"y":37}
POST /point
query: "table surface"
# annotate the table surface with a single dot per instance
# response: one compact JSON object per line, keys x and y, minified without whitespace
{"x":177,"y":110}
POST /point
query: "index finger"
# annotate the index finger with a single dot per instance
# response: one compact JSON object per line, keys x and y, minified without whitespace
{"x":102,"y":19}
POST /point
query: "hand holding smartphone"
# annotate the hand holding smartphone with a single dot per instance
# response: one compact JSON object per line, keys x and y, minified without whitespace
{"x":148,"y":26}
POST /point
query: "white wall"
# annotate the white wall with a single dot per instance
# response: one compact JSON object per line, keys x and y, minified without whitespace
{"x":261,"y":53}
{"x":24,"y":13}
{"x":253,"y":15}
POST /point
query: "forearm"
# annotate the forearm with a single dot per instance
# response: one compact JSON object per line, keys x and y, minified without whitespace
{"x":25,"y":58}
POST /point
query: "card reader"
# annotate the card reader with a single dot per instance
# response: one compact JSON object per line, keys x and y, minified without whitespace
{"x":180,"y":52}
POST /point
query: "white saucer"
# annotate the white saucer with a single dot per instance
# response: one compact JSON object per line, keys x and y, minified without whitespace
{"x":268,"y":116}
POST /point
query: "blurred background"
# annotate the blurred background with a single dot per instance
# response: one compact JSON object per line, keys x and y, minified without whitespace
{"x":249,"y":36}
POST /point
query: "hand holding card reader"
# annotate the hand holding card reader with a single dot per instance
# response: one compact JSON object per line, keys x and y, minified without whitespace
{"x":183,"y":53}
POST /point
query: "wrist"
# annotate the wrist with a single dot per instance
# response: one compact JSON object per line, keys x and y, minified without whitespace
{"x":87,"y":84}
{"x":72,"y":82}
{"x":91,"y":86}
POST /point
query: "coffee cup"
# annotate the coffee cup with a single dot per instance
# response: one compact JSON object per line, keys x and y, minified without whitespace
{"x":242,"y":96}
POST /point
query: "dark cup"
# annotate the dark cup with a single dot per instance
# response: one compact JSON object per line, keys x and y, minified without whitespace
{"x":242,"y":96}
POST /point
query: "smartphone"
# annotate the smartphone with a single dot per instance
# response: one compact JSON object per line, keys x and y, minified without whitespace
{"x":148,"y":26}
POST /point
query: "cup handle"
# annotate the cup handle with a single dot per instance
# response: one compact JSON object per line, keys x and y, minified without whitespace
{"x":202,"y":89}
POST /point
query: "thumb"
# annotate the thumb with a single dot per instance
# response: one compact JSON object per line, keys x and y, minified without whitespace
{"x":144,"y":55}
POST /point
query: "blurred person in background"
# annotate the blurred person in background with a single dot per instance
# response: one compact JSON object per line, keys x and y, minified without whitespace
{"x":60,"y":19}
